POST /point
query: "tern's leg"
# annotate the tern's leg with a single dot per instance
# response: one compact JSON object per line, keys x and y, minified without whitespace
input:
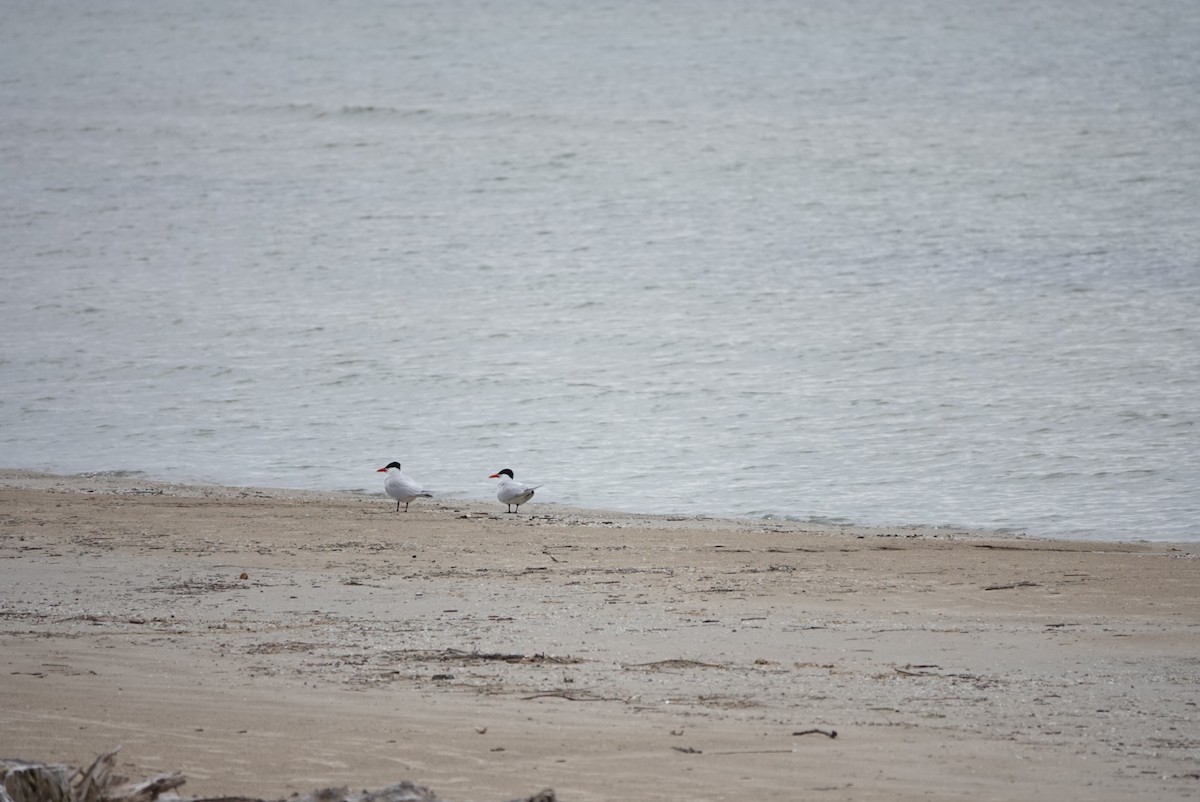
{"x":397,"y":506}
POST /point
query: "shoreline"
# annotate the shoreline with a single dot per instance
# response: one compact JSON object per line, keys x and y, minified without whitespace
{"x":266,"y":641}
{"x":133,"y":482}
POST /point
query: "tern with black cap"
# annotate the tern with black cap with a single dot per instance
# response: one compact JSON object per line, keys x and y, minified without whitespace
{"x":401,"y":486}
{"x":511,"y":492}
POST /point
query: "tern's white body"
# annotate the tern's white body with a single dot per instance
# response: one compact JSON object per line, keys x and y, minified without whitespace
{"x":511,"y":492}
{"x":402,"y":487}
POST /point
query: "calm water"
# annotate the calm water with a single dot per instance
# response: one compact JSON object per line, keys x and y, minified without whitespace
{"x":929,"y":262}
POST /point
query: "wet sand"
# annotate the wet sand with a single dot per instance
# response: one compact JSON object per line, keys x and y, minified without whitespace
{"x":271,"y":641}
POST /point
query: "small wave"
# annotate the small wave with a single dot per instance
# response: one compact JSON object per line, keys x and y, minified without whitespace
{"x":817,"y":520}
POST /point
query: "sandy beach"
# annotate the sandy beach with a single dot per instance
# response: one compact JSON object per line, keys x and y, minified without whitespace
{"x":265,"y":642}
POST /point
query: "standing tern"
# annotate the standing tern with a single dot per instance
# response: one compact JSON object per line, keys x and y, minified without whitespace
{"x":512,"y":492}
{"x":400,"y":486}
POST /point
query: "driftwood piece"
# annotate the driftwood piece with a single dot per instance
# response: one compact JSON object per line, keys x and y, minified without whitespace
{"x":92,"y":783}
{"x":26,"y":781}
{"x":146,"y":790}
{"x":400,"y":792}
{"x":29,"y":781}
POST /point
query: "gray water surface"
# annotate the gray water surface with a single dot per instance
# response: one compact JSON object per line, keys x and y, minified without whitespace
{"x":870,"y":262}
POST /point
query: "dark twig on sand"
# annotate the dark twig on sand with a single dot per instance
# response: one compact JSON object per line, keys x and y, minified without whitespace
{"x":817,"y":731}
{"x":1012,"y":585}
{"x":572,"y":696}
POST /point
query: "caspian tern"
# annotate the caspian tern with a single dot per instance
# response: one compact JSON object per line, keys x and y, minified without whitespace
{"x":400,"y":486}
{"x":512,"y":492}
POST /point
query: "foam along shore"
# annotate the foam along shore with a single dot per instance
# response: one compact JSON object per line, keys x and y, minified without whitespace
{"x":264,"y":642}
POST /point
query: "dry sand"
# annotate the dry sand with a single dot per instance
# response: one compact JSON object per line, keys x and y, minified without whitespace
{"x":268,"y":641}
